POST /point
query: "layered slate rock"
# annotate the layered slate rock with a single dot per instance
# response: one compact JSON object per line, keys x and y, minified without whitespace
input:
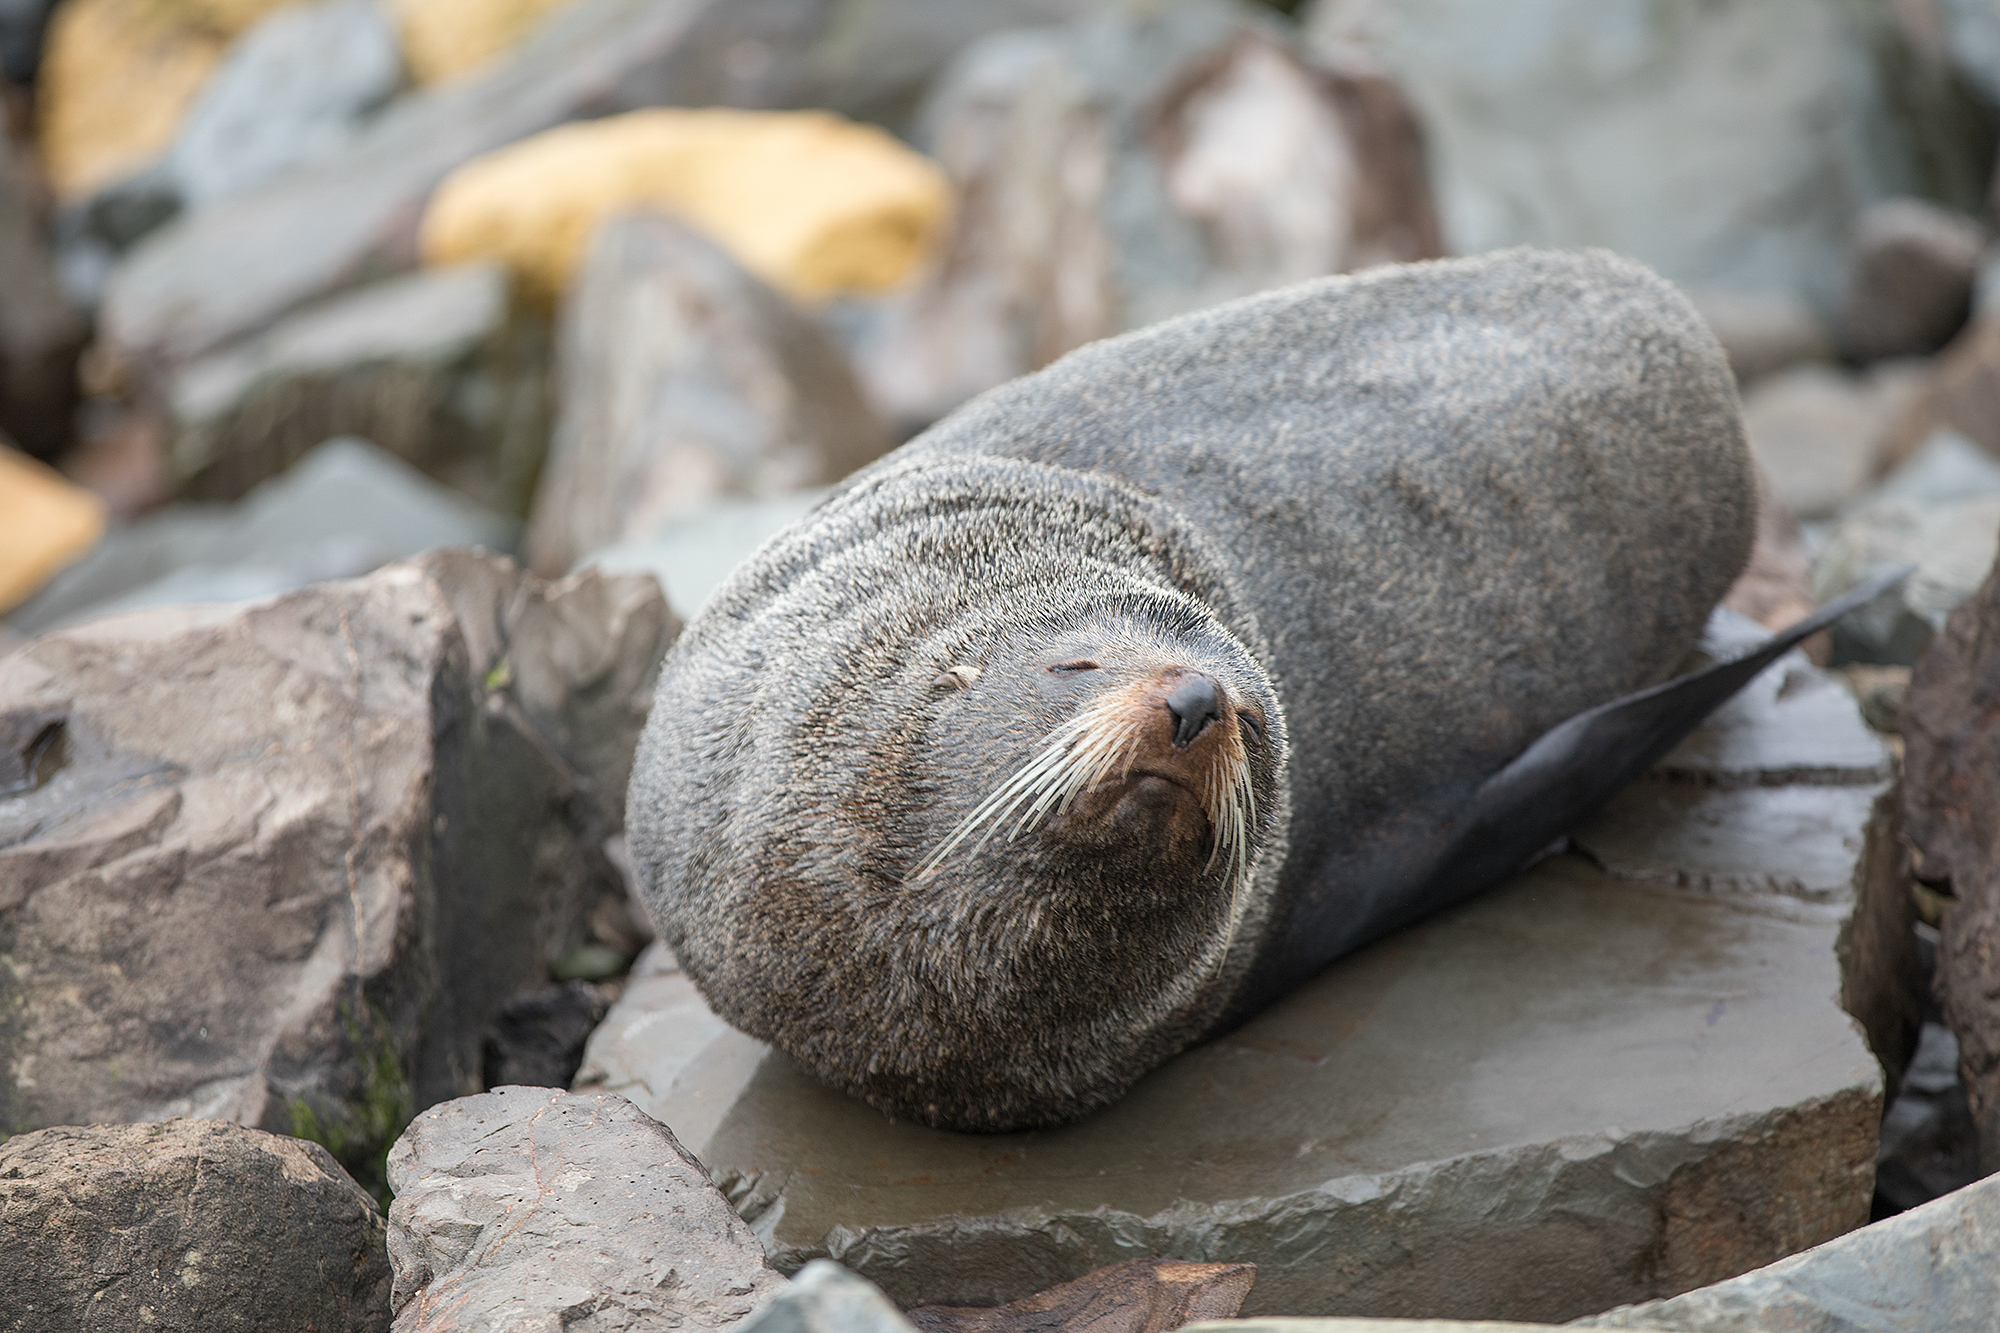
{"x":1951,"y":809}
{"x":1586,"y":1087}
{"x":533,"y":1207}
{"x":1934,"y":1269}
{"x":283,"y":864}
{"x":685,"y":379}
{"x":187,"y":1224}
{"x":439,"y":368}
{"x":1104,"y":185}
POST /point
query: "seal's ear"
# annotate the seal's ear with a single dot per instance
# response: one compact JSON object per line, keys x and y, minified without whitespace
{"x":1577,"y":766}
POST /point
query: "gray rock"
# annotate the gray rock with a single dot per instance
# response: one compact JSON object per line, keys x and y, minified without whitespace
{"x":1934,"y":1269}
{"x":437,"y":367}
{"x":292,"y":89}
{"x":283,"y":865}
{"x":1945,"y":467}
{"x":1910,"y":275}
{"x":1930,"y":1145}
{"x":537,"y":1208}
{"x":1762,"y":334}
{"x":1105,"y":182}
{"x":1574,"y":1087}
{"x":692,"y":555}
{"x":826,"y":1298}
{"x":1822,"y":435}
{"x":1728,"y":145}
{"x":187,"y":1224}
{"x":210,"y":279}
{"x":346,"y":508}
{"x":685,"y":379}
{"x":41,"y":333}
{"x":295,"y":87}
{"x":537,"y":1041}
{"x":1952,"y":546}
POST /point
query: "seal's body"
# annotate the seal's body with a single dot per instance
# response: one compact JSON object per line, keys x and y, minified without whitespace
{"x":1124,"y":699}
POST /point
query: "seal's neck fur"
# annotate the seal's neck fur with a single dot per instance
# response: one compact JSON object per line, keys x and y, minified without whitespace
{"x":1078,"y":959}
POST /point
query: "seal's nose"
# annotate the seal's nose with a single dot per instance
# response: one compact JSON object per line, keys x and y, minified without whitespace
{"x":1194,"y":702}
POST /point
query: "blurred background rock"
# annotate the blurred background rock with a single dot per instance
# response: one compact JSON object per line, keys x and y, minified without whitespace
{"x":292,"y":290}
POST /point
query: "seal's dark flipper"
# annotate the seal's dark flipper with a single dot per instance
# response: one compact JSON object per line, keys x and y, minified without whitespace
{"x":1573,"y":769}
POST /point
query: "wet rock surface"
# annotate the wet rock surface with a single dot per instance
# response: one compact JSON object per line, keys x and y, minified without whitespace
{"x":1951,"y":730}
{"x":1930,"y":1270}
{"x":685,"y":379}
{"x":186,"y":1224}
{"x":533,"y":1207}
{"x":1399,"y":1136}
{"x":290,"y":861}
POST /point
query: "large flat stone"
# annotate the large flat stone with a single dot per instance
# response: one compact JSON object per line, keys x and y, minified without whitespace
{"x":1584,"y":1084}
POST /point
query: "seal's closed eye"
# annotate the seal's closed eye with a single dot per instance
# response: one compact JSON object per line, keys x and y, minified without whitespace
{"x":955,"y":677}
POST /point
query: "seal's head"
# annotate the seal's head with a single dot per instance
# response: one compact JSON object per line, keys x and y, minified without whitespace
{"x":977,"y":848}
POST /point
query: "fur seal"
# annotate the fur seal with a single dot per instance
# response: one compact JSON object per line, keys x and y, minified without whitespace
{"x":1121,"y":701}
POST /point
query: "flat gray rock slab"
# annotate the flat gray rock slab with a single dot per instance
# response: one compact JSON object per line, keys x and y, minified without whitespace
{"x":532,"y":1208}
{"x":1934,"y":1269}
{"x":1587,"y":1083}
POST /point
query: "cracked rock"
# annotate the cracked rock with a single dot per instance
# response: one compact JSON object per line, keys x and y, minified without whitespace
{"x":533,"y":1208}
{"x":283,"y":864}
{"x":184,"y":1225}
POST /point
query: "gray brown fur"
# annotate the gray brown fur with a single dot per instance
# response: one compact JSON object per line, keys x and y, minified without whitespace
{"x":1439,"y":508}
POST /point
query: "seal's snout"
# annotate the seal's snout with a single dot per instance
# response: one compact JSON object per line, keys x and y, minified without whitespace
{"x":1195,"y":701}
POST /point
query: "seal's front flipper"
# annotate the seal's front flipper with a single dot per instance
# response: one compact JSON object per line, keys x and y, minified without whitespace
{"x":1574,"y":768}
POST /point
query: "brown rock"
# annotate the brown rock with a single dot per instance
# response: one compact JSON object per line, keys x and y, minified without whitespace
{"x":684,"y":378}
{"x":539,"y":1208}
{"x":191,"y":1224}
{"x":1951,"y":808}
{"x":283,"y":864}
{"x":45,"y":522}
{"x":1910,"y":274}
{"x":1137,"y":1296}
{"x":40,"y":332}
{"x":1106,"y":180}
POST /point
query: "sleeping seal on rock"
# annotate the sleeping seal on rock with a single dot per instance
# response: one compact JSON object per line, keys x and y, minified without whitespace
{"x":1124,"y":699}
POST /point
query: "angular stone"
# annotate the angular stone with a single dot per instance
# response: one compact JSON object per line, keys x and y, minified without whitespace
{"x":284,"y":864}
{"x":1963,"y":392}
{"x":41,"y":333}
{"x":291,"y":89}
{"x":1423,"y":1129}
{"x":1104,"y":184}
{"x":1930,"y":1145}
{"x":118,"y":75}
{"x":187,"y":1224}
{"x":1822,"y":435}
{"x":812,"y":203}
{"x":437,"y":367}
{"x":202,"y":282}
{"x":1934,"y":1269}
{"x":1137,"y":1296}
{"x":683,"y":380}
{"x":1952,"y":545}
{"x":826,"y":1298}
{"x":346,"y":508}
{"x":1636,"y":125}
{"x":445,"y":39}
{"x":45,"y":524}
{"x":1909,"y":279}
{"x":534,"y":1207}
{"x":1951,"y":731}
{"x":537,"y":1041}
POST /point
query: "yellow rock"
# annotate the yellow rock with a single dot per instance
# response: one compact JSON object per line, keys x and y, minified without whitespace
{"x":443,"y":39}
{"x":810,"y":202}
{"x":45,"y":522}
{"x":117,"y":75}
